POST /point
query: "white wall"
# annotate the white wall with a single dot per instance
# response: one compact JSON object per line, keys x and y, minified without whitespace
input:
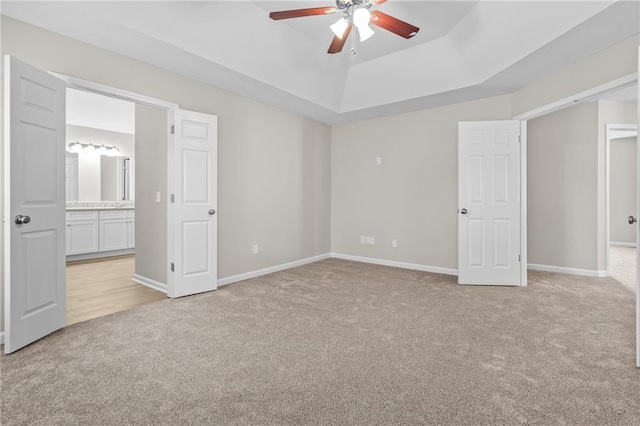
{"x":412,"y":196}
{"x":623,"y":187}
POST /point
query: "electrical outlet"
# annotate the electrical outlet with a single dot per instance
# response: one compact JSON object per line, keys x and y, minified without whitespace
{"x":394,"y":243}
{"x":378,"y":161}
{"x":363,"y":239}
{"x":158,"y":196}
{"x":370,"y":240}
{"x":256,"y":248}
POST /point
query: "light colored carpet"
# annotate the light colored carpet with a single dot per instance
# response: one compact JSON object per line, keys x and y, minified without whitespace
{"x":339,"y":342}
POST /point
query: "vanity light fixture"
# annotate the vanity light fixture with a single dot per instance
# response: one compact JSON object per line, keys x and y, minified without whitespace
{"x":86,"y":148}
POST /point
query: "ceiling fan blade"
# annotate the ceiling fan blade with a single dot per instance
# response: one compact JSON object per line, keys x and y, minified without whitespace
{"x":396,"y":26}
{"x":338,"y":43}
{"x":299,"y":13}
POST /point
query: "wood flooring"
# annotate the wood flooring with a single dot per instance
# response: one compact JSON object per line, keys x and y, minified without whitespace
{"x":104,"y":286}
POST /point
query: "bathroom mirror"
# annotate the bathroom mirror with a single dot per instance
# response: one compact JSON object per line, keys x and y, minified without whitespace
{"x":93,"y":177}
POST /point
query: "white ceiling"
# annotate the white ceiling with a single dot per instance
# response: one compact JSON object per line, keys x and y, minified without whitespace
{"x":464,"y":49}
{"x":100,"y":112}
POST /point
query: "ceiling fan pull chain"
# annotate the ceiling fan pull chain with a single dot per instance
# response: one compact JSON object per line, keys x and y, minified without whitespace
{"x":353,"y":41}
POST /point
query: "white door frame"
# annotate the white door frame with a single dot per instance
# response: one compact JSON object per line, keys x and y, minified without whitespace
{"x":171,"y":108}
{"x":612,"y":132}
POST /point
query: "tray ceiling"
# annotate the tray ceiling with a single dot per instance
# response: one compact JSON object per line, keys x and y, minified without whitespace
{"x":464,"y":50}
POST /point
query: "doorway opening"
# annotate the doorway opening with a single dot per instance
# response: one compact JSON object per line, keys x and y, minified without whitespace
{"x":100,"y":184}
{"x":621,"y":200}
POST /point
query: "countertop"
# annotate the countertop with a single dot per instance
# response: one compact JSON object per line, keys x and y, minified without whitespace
{"x":99,"y":205}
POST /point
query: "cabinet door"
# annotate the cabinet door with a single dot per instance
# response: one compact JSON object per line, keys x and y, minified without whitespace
{"x":82,"y":237}
{"x":131,"y":234}
{"x":113,"y":234}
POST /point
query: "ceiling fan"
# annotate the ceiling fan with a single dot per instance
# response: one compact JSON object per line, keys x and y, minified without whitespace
{"x":356,"y":12}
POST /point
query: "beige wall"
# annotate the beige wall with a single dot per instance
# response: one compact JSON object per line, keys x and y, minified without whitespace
{"x":273,"y":166}
{"x":412,"y":196}
{"x":562,"y":188}
{"x":151,"y":176}
{"x":617,"y":61}
{"x":566,"y":184}
{"x":623,"y":195}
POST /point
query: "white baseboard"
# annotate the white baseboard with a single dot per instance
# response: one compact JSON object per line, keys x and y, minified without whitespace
{"x":563,"y":270}
{"x":99,"y":255}
{"x":156,"y":285}
{"x":613,"y":243}
{"x":1,"y":337}
{"x":413,"y":266}
{"x":270,"y":270}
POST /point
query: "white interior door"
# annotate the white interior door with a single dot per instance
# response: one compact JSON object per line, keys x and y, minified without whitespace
{"x":34,"y":164}
{"x":194,"y":264}
{"x":638,"y":237}
{"x":489,"y":203}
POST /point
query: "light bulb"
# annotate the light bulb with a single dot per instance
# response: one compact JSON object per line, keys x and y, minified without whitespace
{"x":102,"y":150}
{"x":365,"y":32}
{"x":339,"y":27}
{"x":75,"y":147}
{"x":361,"y":17}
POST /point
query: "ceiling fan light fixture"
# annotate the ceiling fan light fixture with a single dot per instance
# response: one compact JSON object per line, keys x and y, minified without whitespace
{"x":340,"y":27}
{"x":365,"y":32}
{"x":361,"y":17}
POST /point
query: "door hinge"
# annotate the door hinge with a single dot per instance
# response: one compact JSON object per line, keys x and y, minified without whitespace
{"x":173,"y":267}
{"x":173,"y":129}
{"x":519,"y":258}
{"x":173,"y":198}
{"x":519,"y":138}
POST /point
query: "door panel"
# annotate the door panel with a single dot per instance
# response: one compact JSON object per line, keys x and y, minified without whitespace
{"x":35,"y":291}
{"x":489,"y":204}
{"x":195,"y":231}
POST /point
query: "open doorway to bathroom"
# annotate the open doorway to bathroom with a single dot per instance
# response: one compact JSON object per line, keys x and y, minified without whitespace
{"x":101,"y":171}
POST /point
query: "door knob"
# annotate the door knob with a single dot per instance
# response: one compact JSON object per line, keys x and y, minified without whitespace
{"x":632,"y":220}
{"x":22,"y":220}
{"x":462,"y":211}
{"x":212,"y":212}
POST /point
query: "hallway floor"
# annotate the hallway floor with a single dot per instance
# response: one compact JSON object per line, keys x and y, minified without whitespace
{"x":623,"y":266}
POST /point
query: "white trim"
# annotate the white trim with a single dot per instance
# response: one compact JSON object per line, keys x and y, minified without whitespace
{"x":90,"y":86}
{"x":396,"y":264}
{"x":271,"y":270}
{"x":619,"y":244}
{"x":617,"y":84}
{"x":99,"y":255}
{"x":171,"y":114}
{"x":156,"y":285}
{"x":523,"y":204}
{"x":1,"y":337}
{"x":571,"y":271}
